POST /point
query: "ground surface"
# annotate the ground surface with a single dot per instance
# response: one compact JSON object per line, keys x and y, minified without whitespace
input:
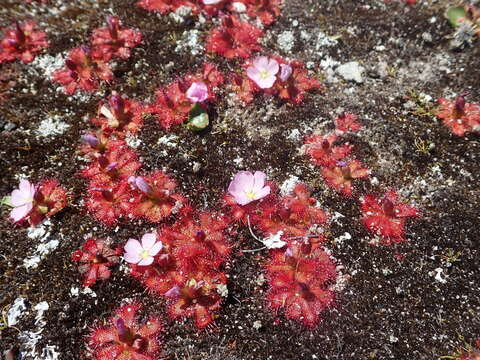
{"x":415,"y":308}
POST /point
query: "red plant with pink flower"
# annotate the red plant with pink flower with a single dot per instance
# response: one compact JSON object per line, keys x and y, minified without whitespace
{"x":125,"y":337}
{"x":340,"y":177}
{"x":33,"y":203}
{"x":186,"y":270}
{"x":83,"y":71}
{"x":22,"y":42}
{"x":95,"y":258}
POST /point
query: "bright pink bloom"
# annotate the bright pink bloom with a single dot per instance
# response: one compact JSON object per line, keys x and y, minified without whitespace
{"x":142,"y":253}
{"x":263,"y":71}
{"x":197,"y":92}
{"x":22,"y":200}
{"x":22,"y":42}
{"x":247,"y":187}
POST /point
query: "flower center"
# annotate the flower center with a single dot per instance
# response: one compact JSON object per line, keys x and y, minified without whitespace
{"x":144,"y":254}
{"x":264,"y":74}
{"x":250,"y":194}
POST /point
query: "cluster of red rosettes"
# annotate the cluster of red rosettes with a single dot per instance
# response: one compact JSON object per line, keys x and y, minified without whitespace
{"x":187,"y":270}
{"x":265,"y":10}
{"x":385,"y":217}
{"x":299,"y":270}
{"x":22,"y":42}
{"x":292,"y":87}
{"x":86,"y":67}
{"x":125,"y":337}
{"x":116,"y":190}
{"x":95,"y":259}
{"x":461,"y":117}
{"x":337,"y":168}
{"x":173,"y":102}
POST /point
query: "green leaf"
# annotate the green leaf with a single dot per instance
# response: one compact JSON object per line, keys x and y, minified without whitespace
{"x":6,"y":201}
{"x":454,"y":13}
{"x":197,"y":118}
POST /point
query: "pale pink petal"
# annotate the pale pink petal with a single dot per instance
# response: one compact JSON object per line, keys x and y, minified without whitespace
{"x":266,"y":83}
{"x":253,"y":73}
{"x":286,"y":71}
{"x":132,"y":258}
{"x":241,"y":182}
{"x":25,"y":187}
{"x":18,"y":198}
{"x":211,"y":2}
{"x":133,"y":246}
{"x":155,"y":249}
{"x":197,"y":92}
{"x":242,"y":199}
{"x":262,"y":193}
{"x":148,"y":240}
{"x":146,"y":261}
{"x":272,"y":67}
{"x":258,"y":180}
{"x":261,"y":62}
{"x":20,"y":212}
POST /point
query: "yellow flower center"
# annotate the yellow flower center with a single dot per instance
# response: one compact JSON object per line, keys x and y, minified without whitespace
{"x":144,"y":254}
{"x":264,"y":74}
{"x":250,"y":194}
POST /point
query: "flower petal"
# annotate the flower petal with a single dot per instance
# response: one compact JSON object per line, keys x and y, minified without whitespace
{"x":133,"y":246}
{"x":25,"y":187}
{"x":156,"y":248}
{"x":20,"y":212}
{"x":132,"y":258}
{"x":253,"y":73}
{"x":148,"y":240}
{"x":261,"y":62}
{"x":146,"y":261}
{"x":262,"y":193}
{"x":258,"y":180}
{"x":242,"y":181}
{"x":273,"y":67}
{"x":18,"y":198}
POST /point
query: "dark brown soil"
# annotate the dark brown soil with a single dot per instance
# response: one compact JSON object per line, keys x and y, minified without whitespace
{"x":389,"y":308}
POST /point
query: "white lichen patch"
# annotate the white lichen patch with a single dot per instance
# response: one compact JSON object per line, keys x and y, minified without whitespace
{"x":288,"y":185}
{"x":15,"y":312}
{"x":180,"y":15}
{"x":47,"y":64}
{"x":43,"y":249}
{"x":286,"y":41}
{"x":29,"y":339}
{"x":133,"y":141}
{"x":191,"y":41}
{"x":222,"y":290}
{"x":52,"y":126}
{"x":168,"y":140}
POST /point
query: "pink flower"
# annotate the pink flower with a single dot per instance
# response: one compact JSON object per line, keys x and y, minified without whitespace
{"x":247,"y":187}
{"x":142,"y":253}
{"x":263,"y":71}
{"x":22,"y":200}
{"x":285,"y":72}
{"x":211,"y":2}
{"x":197,"y":92}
